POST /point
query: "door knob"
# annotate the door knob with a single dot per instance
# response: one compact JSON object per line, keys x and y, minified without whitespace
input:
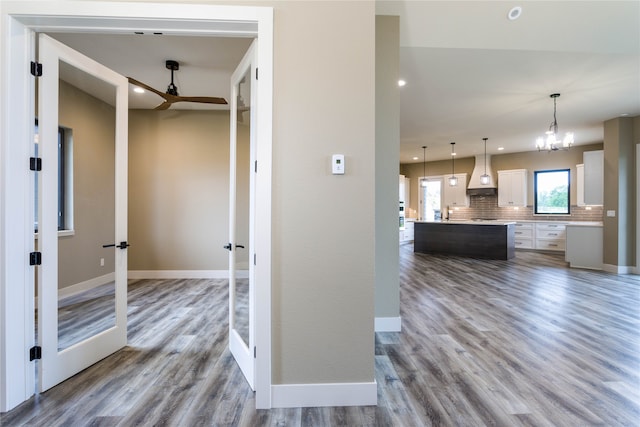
{"x":122,"y":245}
{"x":229,"y":246}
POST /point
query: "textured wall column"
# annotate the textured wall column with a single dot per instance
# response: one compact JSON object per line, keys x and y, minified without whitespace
{"x":387,"y":300}
{"x":620,"y":194}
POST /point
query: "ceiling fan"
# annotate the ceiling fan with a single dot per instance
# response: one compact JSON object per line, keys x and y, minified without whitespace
{"x":172,"y":96}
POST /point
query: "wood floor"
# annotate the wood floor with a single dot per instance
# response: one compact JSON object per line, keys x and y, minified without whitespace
{"x":525,"y":342}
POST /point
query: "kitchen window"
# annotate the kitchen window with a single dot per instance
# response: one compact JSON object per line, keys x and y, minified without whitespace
{"x":551,"y":192}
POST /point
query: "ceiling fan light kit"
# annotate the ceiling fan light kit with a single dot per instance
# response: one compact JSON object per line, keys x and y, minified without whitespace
{"x":172,"y":65}
{"x":171,"y":95}
{"x":551,"y":142}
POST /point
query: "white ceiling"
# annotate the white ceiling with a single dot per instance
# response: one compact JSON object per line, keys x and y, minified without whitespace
{"x":206,"y":63}
{"x":470,"y":71}
{"x":473,"y":73}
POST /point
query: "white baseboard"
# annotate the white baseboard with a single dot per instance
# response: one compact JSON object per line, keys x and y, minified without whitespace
{"x":388,"y":324}
{"x":185,"y":274}
{"x":617,"y":269}
{"x":318,"y":395}
{"x":86,"y":285}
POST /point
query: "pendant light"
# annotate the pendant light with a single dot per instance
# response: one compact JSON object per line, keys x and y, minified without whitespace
{"x":484,"y":178}
{"x":453,"y":181}
{"x":424,"y":166}
{"x":551,"y":143}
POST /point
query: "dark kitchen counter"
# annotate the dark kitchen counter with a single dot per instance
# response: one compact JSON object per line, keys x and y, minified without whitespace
{"x":478,"y":239}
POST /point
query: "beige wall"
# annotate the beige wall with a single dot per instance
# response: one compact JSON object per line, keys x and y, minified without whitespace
{"x":530,"y":160}
{"x":323,"y":225}
{"x":93,"y":124}
{"x":179,"y":190}
{"x":387,"y":153}
{"x":620,"y":136}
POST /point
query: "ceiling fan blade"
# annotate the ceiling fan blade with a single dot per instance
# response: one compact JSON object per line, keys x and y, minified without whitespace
{"x":147,"y":87}
{"x":202,"y":99}
{"x":165,"y":105}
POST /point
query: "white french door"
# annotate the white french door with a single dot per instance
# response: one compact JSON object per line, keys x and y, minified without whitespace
{"x":82,"y":219}
{"x":241,"y":244}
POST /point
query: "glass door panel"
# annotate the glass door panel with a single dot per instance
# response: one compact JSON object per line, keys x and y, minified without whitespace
{"x":241,"y":214}
{"x":243,"y":189}
{"x":430,"y":199}
{"x":86,"y":205}
{"x":82,"y":125}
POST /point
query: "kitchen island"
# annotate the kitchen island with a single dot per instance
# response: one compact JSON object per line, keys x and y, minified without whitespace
{"x":478,"y":239}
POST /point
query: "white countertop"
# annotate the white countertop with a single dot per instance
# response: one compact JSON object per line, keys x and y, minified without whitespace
{"x":509,"y":221}
{"x":469,"y":222}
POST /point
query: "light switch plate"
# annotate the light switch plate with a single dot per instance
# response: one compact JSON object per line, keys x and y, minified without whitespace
{"x":611,"y":214}
{"x":337,"y":164}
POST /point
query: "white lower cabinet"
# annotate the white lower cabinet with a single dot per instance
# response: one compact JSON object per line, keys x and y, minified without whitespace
{"x":547,"y":236}
{"x":550,"y":236}
{"x":406,"y":235}
{"x":524,"y":235}
{"x":584,"y":246}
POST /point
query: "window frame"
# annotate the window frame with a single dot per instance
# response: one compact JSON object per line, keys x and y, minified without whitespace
{"x":535,"y":191}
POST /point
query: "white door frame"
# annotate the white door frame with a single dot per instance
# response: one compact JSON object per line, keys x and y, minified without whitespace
{"x":18,"y":22}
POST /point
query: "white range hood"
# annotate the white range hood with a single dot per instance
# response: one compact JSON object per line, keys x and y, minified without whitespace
{"x":475,"y":188}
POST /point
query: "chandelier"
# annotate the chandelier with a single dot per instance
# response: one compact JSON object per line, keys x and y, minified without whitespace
{"x":551,"y":142}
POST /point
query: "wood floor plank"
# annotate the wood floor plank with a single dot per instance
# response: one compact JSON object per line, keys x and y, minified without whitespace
{"x":524,"y":342}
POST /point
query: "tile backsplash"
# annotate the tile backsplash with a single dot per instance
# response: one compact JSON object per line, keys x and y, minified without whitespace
{"x":487,"y":207}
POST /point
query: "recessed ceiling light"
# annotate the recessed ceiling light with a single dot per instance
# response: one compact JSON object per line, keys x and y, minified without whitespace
{"x":415,"y":158}
{"x":138,"y":90}
{"x":500,"y":148}
{"x":401,"y":82}
{"x":514,"y":13}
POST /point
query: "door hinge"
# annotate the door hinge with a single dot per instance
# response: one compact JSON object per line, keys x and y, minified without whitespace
{"x":35,"y":258}
{"x":254,"y":352}
{"x":35,"y":163}
{"x":254,"y":259}
{"x":36,"y":69}
{"x":255,"y":166}
{"x":256,"y":73}
{"x":35,"y":353}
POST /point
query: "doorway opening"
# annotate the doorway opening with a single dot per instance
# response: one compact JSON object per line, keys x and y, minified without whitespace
{"x":430,"y":198}
{"x":179,"y":19}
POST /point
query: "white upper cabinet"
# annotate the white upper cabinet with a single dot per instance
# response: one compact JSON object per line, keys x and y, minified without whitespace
{"x":580,"y":185}
{"x":593,"y":177}
{"x":456,"y":196}
{"x":512,"y":188}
